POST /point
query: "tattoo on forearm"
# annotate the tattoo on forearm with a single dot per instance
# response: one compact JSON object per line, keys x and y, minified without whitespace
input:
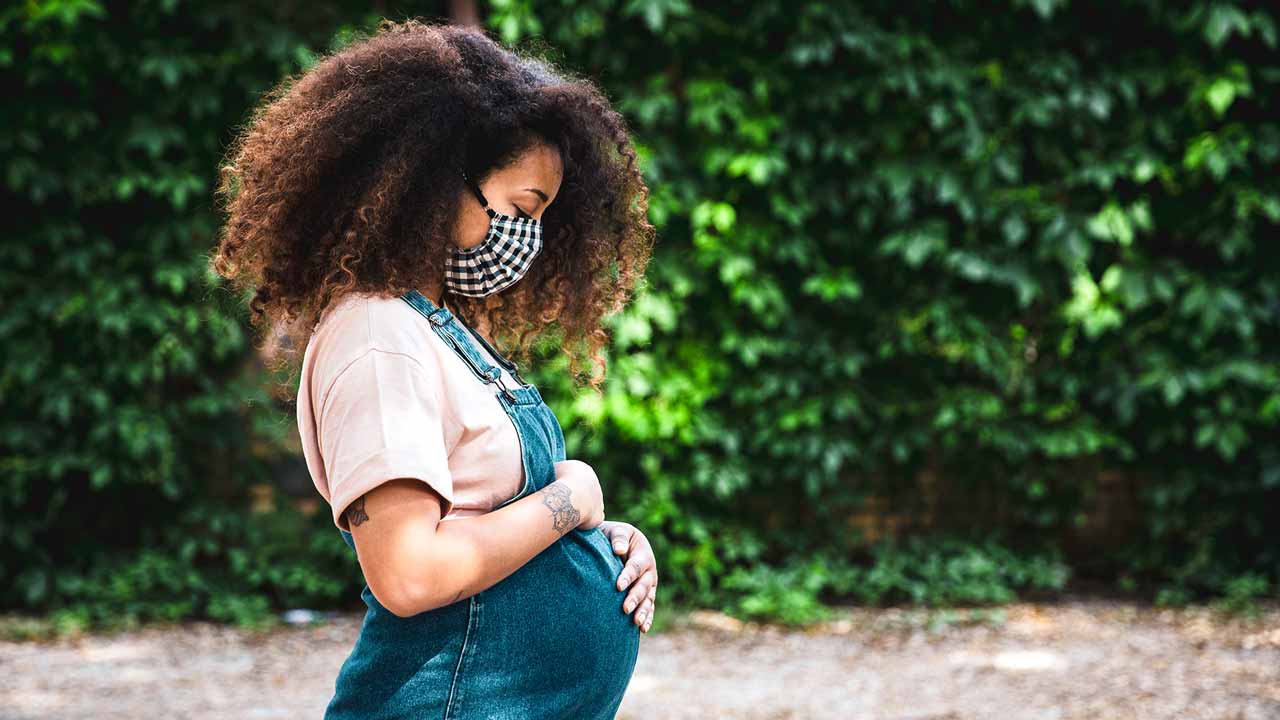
{"x":564,"y":516}
{"x":356,"y":513}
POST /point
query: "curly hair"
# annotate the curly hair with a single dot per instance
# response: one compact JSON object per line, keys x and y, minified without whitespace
{"x":345,"y":179}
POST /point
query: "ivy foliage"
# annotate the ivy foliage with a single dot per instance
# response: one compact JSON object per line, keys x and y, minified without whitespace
{"x":1010,"y":247}
{"x":135,"y":416}
{"x":1005,"y":247}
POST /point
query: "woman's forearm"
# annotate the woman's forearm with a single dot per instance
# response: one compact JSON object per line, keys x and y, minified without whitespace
{"x":469,"y":554}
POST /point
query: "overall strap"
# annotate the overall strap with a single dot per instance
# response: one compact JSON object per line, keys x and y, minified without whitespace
{"x":443,"y":322}
{"x":509,"y":365}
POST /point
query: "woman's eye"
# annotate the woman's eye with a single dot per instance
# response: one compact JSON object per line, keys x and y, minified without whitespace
{"x":522,"y":214}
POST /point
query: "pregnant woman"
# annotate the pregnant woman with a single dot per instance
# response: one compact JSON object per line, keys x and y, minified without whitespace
{"x":396,"y":210}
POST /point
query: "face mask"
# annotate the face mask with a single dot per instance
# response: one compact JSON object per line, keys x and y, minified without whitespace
{"x":501,"y":259}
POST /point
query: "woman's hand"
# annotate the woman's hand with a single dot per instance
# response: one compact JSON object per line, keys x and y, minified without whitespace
{"x":641,"y":567}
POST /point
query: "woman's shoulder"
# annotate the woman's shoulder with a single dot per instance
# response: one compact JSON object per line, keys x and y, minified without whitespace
{"x":359,"y":323}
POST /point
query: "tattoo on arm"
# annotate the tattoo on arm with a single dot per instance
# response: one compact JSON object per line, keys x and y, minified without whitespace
{"x":356,"y":513}
{"x":564,"y":516}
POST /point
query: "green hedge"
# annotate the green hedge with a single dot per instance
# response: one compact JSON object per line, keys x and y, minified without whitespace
{"x":1015,"y":247}
{"x":134,"y":415}
{"x":1008,"y":247}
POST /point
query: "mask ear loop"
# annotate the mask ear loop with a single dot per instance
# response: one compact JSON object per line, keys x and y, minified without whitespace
{"x":474,"y":188}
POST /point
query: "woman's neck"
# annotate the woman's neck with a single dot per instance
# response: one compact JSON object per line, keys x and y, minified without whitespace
{"x":433,"y":292}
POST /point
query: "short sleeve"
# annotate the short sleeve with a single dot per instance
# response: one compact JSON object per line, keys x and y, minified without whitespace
{"x":380,"y":419}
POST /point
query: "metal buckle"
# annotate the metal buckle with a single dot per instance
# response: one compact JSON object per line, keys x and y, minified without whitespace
{"x":497,"y":378}
{"x":510,"y":365}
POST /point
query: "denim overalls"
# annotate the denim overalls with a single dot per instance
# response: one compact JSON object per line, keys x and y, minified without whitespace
{"x":549,"y":641}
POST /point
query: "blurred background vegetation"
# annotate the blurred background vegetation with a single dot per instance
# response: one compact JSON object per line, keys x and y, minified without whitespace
{"x":952,"y":303}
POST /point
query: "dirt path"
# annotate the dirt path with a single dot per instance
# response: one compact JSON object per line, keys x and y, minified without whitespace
{"x":1083,"y":658}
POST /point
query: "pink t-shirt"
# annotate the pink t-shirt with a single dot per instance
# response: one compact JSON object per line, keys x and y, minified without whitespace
{"x":382,"y":396}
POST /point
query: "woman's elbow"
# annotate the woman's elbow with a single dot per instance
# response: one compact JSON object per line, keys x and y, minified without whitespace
{"x":404,"y":599}
{"x":410,"y":587}
{"x":400,"y":579}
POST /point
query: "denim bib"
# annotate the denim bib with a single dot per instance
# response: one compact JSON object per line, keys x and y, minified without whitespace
{"x":549,"y":641}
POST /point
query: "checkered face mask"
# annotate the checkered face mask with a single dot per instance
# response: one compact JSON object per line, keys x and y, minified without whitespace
{"x":501,"y":259}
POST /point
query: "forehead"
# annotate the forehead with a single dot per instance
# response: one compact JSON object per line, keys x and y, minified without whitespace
{"x":540,"y":164}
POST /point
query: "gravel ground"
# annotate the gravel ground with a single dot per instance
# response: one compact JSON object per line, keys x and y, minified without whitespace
{"x":1079,"y":658}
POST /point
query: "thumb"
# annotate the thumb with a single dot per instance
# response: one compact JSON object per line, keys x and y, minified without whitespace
{"x":621,"y":539}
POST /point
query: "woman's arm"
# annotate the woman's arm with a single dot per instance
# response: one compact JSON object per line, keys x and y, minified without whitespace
{"x":414,"y":563}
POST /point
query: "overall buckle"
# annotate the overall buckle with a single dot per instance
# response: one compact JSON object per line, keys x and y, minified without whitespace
{"x":495,"y":373}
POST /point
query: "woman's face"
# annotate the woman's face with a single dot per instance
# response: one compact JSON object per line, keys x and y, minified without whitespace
{"x":522,"y":189}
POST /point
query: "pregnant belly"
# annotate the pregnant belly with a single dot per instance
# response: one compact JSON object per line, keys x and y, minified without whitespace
{"x":553,"y":634}
{"x":548,"y":641}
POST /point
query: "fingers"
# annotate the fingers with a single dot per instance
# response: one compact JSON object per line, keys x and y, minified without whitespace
{"x":650,"y":601}
{"x":639,"y":591}
{"x":639,"y":560}
{"x":644,"y":616}
{"x":628,"y":542}
{"x":638,"y":563}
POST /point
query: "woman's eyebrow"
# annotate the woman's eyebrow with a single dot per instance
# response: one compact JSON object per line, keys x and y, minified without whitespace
{"x":538,"y":192}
